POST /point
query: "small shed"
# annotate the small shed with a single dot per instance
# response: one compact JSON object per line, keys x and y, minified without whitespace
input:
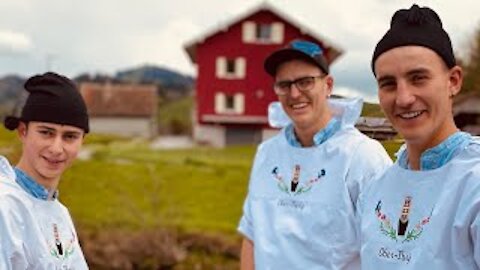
{"x":378,"y":128}
{"x":466,"y":112}
{"x":121,"y":109}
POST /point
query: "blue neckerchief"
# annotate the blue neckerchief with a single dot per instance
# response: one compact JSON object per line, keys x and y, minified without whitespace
{"x":31,"y":187}
{"x":319,"y":138}
{"x":439,"y":155}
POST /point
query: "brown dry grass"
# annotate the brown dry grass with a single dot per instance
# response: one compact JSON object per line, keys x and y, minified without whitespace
{"x":158,"y":249}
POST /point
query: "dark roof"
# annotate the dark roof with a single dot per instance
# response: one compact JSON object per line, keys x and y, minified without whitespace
{"x":127,"y":100}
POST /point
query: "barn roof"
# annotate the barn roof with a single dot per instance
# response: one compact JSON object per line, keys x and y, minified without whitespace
{"x":119,"y":100}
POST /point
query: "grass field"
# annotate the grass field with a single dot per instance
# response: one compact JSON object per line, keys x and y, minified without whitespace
{"x":130,"y":186}
{"x":372,"y":110}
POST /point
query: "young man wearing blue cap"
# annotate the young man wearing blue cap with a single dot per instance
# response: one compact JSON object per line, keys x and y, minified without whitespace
{"x":424,"y":211}
{"x":300,"y":207}
{"x":36,"y":230}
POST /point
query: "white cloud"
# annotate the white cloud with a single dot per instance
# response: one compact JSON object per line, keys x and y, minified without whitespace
{"x":352,"y":92}
{"x":166,"y":46}
{"x":14,"y":43}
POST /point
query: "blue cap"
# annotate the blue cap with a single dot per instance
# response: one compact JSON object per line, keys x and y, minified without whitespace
{"x":297,"y":49}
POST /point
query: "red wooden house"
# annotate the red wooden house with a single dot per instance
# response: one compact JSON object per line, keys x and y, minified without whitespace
{"x":232,"y":90}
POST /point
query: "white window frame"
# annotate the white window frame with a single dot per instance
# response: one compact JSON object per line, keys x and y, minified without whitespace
{"x":250,"y":33}
{"x":239,"y":103}
{"x":221,"y":103}
{"x":221,"y":68}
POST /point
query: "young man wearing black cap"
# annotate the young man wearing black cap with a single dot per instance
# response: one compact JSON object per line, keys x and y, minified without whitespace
{"x":36,"y":230}
{"x":424,"y":211}
{"x":299,"y":211}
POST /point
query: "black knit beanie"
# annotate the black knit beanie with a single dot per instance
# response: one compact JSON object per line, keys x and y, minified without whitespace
{"x":416,"y":26}
{"x":53,"y":99}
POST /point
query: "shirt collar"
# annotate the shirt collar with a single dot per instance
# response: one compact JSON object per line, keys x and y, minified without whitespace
{"x":319,"y":137}
{"x":33,"y":188}
{"x":439,"y":155}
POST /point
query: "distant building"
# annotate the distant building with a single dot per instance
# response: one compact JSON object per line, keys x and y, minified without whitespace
{"x":121,"y":109}
{"x":232,"y":89}
{"x":378,"y":128}
{"x":466,"y":112}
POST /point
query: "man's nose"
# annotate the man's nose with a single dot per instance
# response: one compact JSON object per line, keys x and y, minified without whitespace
{"x":294,"y":91}
{"x":404,"y":97}
{"x":57,"y":145}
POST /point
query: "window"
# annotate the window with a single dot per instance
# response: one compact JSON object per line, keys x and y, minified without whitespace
{"x":230,"y":68}
{"x":262,"y":33}
{"x":229,"y":104}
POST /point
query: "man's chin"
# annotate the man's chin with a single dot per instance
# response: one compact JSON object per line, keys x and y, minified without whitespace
{"x":413,"y":137}
{"x":51,"y":175}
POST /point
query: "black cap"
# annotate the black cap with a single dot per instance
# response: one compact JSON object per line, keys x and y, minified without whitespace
{"x":419,"y":26}
{"x":297,"y":49}
{"x":54,"y":99}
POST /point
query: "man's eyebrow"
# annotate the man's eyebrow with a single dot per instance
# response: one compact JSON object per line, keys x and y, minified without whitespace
{"x":46,"y":127}
{"x":70,"y":132}
{"x":417,"y":71}
{"x":385,"y":78}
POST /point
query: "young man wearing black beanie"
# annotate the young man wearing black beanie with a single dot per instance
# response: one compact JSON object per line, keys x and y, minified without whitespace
{"x":36,"y":230}
{"x":424,"y":211}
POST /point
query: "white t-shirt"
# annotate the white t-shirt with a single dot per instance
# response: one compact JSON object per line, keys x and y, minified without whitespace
{"x":34,"y":234}
{"x":300,"y":207}
{"x":424,"y":219}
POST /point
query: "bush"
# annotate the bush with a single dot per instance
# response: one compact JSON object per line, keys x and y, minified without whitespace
{"x":157,"y":249}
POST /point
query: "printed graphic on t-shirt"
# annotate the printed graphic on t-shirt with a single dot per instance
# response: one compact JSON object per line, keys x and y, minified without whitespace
{"x":405,"y":231}
{"x":394,"y":255}
{"x":61,"y":248}
{"x":294,"y":187}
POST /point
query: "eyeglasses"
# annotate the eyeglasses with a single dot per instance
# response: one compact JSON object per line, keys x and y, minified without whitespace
{"x":303,"y":84}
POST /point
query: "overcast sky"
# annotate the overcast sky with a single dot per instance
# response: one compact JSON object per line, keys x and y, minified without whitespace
{"x":77,"y":36}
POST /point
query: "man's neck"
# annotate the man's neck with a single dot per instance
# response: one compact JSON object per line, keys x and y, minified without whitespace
{"x":305,"y":134}
{"x":416,"y":149}
{"x":50,"y":184}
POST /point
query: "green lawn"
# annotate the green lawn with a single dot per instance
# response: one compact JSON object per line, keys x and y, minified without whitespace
{"x":127,"y":185}
{"x":372,"y":110}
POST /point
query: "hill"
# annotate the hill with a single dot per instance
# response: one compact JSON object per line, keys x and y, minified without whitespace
{"x":11,"y":87}
{"x":171,"y":83}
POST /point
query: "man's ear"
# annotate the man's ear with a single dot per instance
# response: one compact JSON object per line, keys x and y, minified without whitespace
{"x":455,"y":80}
{"x":329,"y":85}
{"x":22,"y":130}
